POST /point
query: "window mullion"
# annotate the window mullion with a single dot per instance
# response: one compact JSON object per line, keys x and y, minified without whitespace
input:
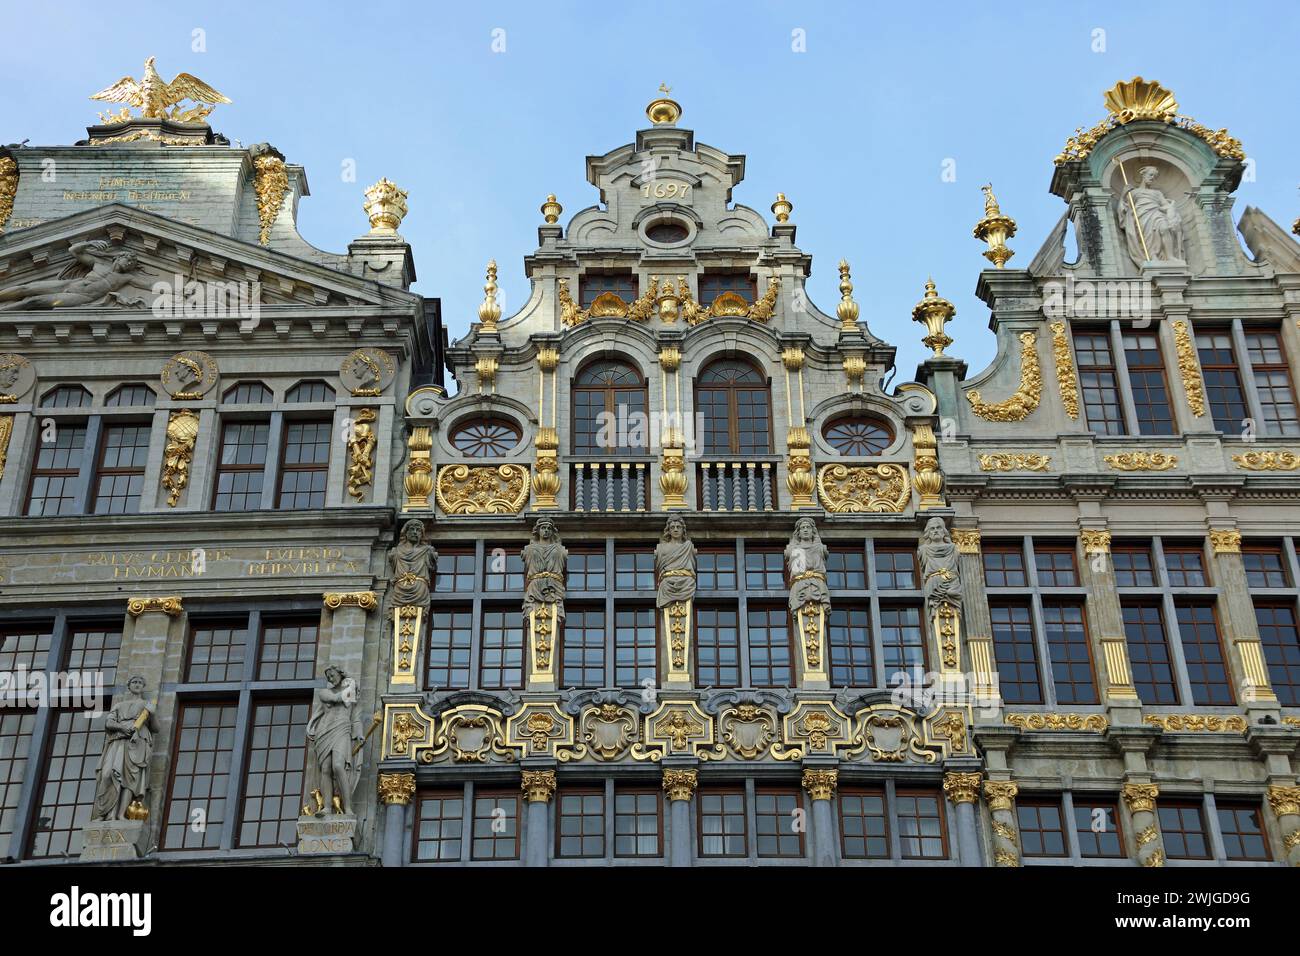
{"x":1120,"y":361}
{"x":1246,"y":371}
{"x":274,"y":457}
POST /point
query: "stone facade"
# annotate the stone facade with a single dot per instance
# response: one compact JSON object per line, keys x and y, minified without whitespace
{"x":710,"y":587}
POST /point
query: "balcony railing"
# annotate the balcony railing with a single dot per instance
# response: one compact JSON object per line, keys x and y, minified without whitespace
{"x":736,"y":485}
{"x":609,"y":486}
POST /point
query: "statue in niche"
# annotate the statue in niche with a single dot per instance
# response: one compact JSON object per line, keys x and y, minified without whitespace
{"x":805,"y":559}
{"x":1150,"y":222}
{"x":100,"y":276}
{"x":675,"y":565}
{"x":940,"y":574}
{"x":334,"y":737}
{"x":122,"y":783}
{"x":412,"y":562}
{"x":545,"y":558}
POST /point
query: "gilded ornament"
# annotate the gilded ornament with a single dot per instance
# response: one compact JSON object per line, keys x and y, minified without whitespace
{"x":1006,"y":833}
{"x":1014,"y":461}
{"x":1005,"y":858}
{"x":672,"y":477}
{"x":6,"y":432}
{"x":799,"y":466}
{"x":8,"y":188}
{"x":750,"y":731}
{"x":182,"y":430}
{"x":855,"y":369}
{"x":1141,"y":461}
{"x":361,"y":453}
{"x":551,"y":210}
{"x":995,"y":229}
{"x":366,"y":372}
{"x":1095,"y":541}
{"x":419,"y":468}
{"x":961,"y":787}
{"x":952,"y":727}
{"x":1225,"y":540}
{"x":385,"y":207}
{"x":570,"y":314}
{"x":171,"y":606}
{"x":847,"y":310}
{"x":1208,"y":723}
{"x":271,"y":183}
{"x":16,"y":377}
{"x":365,"y":600}
{"x":1147,"y":835}
{"x":670,"y":358}
{"x":1189,"y":368}
{"x":546,"y":470}
{"x":485,"y":368}
{"x":855,"y":489}
{"x":1155,"y":860}
{"x":820,"y":783}
{"x":188,"y":376}
{"x":765,"y":307}
{"x":1285,"y":801}
{"x":155,"y":98}
{"x":999,"y":794}
{"x":548,"y":359}
{"x":396,"y":789}
{"x":782,"y":208}
{"x":1096,"y":723}
{"x":663,"y":111}
{"x":1141,"y":797}
{"x":792,"y":358}
{"x":967,"y":540}
{"x":489,"y":310}
{"x":482,"y":489}
{"x":1025,"y":399}
{"x":1066,"y":379}
{"x":927,"y":477}
{"x":405,"y":728}
{"x":538,"y":785}
{"x":680,"y":784}
{"x":934,"y":312}
{"x":1268,"y":461}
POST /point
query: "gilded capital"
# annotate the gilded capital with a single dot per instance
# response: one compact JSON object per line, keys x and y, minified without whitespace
{"x":1095,"y":541}
{"x":539,"y":785}
{"x":670,"y":358}
{"x":1226,"y":540}
{"x":396,"y":788}
{"x":171,"y":606}
{"x":680,"y":784}
{"x":998,"y":794}
{"x":548,"y":358}
{"x":1285,"y":801}
{"x":1141,"y":797}
{"x":821,"y":783}
{"x":967,"y":540}
{"x":962,"y":787}
{"x":365,"y":600}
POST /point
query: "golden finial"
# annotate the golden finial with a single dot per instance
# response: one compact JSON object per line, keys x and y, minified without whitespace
{"x":551,"y":209}
{"x":782,"y":208}
{"x":157,"y":99}
{"x":847,"y":310}
{"x":995,"y":229}
{"x":385,"y":205}
{"x":934,"y":312}
{"x":1139,"y":99}
{"x":664,"y":111}
{"x":489,"y":313}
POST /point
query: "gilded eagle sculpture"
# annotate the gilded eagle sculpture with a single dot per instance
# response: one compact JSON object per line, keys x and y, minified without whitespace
{"x":158,"y":99}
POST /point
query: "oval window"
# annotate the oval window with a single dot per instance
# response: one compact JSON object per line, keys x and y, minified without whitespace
{"x":485,"y":437}
{"x":667,"y":232}
{"x":858,"y":435}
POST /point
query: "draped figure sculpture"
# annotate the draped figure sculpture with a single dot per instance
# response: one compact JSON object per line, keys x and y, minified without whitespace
{"x":1150,"y":222}
{"x":810,"y":598}
{"x":545,"y":559}
{"x":412,"y":562}
{"x":675,"y":589}
{"x":941,"y":585}
{"x":333,"y":736}
{"x":122,"y":783}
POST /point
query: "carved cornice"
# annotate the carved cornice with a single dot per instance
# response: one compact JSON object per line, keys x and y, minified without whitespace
{"x":396,"y":788}
{"x":365,"y":600}
{"x":962,"y":787}
{"x":171,"y":606}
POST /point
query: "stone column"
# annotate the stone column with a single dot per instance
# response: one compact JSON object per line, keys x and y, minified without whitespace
{"x":539,"y":788}
{"x":820,"y":782}
{"x":679,"y":784}
{"x":1240,"y":628}
{"x":1141,"y":801}
{"x":1000,"y":795}
{"x":395,"y":792}
{"x":962,"y":789}
{"x":348,"y":627}
{"x":977,"y":622}
{"x":1285,"y":802}
{"x":1106,"y":622}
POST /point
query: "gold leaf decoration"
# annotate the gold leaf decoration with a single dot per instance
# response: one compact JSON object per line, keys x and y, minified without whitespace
{"x":1096,"y":723}
{"x":1066,"y":379}
{"x":1025,"y":399}
{"x":1198,"y":723}
{"x":182,"y":430}
{"x":1141,"y":461}
{"x":854,"y":489}
{"x":1189,"y":369}
{"x":1267,"y":461}
{"x":482,"y":489}
{"x":271,"y":182}
{"x":8,"y":188}
{"x":1014,"y":461}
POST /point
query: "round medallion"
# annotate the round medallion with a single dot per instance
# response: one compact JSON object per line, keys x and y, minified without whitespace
{"x":367,"y":372}
{"x":16,"y":377}
{"x":189,"y":375}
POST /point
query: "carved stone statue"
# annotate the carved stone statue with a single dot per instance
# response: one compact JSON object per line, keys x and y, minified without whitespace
{"x":109,"y":281}
{"x":675,"y":564}
{"x":940,"y":572}
{"x":805,"y":559}
{"x":122,"y":783}
{"x":545,"y":558}
{"x":412,"y":561}
{"x":1146,"y":214}
{"x":333,"y":734}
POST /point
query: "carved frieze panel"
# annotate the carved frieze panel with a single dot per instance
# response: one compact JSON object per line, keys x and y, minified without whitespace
{"x":891,"y":734}
{"x":680,"y":727}
{"x":470,"y":733}
{"x":408,"y":731}
{"x":816,"y":727}
{"x":853,"y":489}
{"x":539,"y":728}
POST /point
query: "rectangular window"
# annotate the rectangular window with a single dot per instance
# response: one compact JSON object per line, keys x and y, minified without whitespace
{"x":591,"y":285}
{"x":1186,"y":567}
{"x":1133,"y":567}
{"x":95,"y":648}
{"x":638,"y":823}
{"x":54,"y":476}
{"x":1222,"y":381}
{"x":68,"y":792}
{"x":1243,"y":831}
{"x":216,"y":652}
{"x":242,"y":466}
{"x":895,"y":569}
{"x":1264,"y":567}
{"x":120,"y":477}
{"x":635,"y":649}
{"x":920,"y":825}
{"x":305,"y":465}
{"x":1272,"y":382}
{"x":764,"y":570}
{"x":273,"y":781}
{"x":455,"y":572}
{"x":770,"y":661}
{"x":1281,"y":645}
{"x":449,"y":648}
{"x":501,"y":664}
{"x":1099,"y":383}
{"x":775,"y":821}
{"x":582,"y":657}
{"x":1004,"y":567}
{"x":849,"y":637}
{"x":496,"y":826}
{"x":1146,"y":376}
{"x":864,"y":824}
{"x":1067,"y":641}
{"x":1013,"y":649}
{"x":200,"y":776}
{"x":716,"y":571}
{"x":846,"y":569}
{"x":713,"y":284}
{"x":580,"y":824}
{"x":16,"y":728}
{"x":1182,"y":828}
{"x":634,"y":570}
{"x":1042,"y":829}
{"x":1198,"y":629}
{"x":902,"y":641}
{"x":439,"y":822}
{"x":723,"y":831}
{"x":586,"y":571}
{"x":288,"y":650}
{"x":1148,"y":652}
{"x":25,"y":647}
{"x":717,"y":647}
{"x":504,"y":569}
{"x":1096,"y":825}
{"x":1056,"y":568}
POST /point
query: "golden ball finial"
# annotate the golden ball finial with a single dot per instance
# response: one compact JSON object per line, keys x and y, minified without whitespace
{"x":551,"y":209}
{"x":934,"y":312}
{"x":664,"y":111}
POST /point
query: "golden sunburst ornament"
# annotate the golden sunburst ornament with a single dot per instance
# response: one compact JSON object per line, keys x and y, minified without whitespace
{"x":1139,"y":99}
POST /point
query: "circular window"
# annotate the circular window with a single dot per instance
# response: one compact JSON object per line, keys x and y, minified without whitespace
{"x":485,"y":437}
{"x":667,"y":232}
{"x":858,"y":436}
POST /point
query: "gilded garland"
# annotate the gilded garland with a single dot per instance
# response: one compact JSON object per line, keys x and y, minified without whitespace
{"x":1189,"y":369}
{"x":271,"y":183}
{"x":1066,"y":379}
{"x":854,"y":489}
{"x":1025,"y":399}
{"x":482,"y":489}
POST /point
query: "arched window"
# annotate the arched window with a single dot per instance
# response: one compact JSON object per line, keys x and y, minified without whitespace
{"x":132,"y":395}
{"x":247,"y":393}
{"x":735,"y":402}
{"x":66,"y":396}
{"x":485,"y":437}
{"x":858,"y":435}
{"x":609,"y":410}
{"x":310,"y":392}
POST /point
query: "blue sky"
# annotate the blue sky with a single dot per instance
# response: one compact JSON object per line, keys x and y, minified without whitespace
{"x":855,"y":130}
